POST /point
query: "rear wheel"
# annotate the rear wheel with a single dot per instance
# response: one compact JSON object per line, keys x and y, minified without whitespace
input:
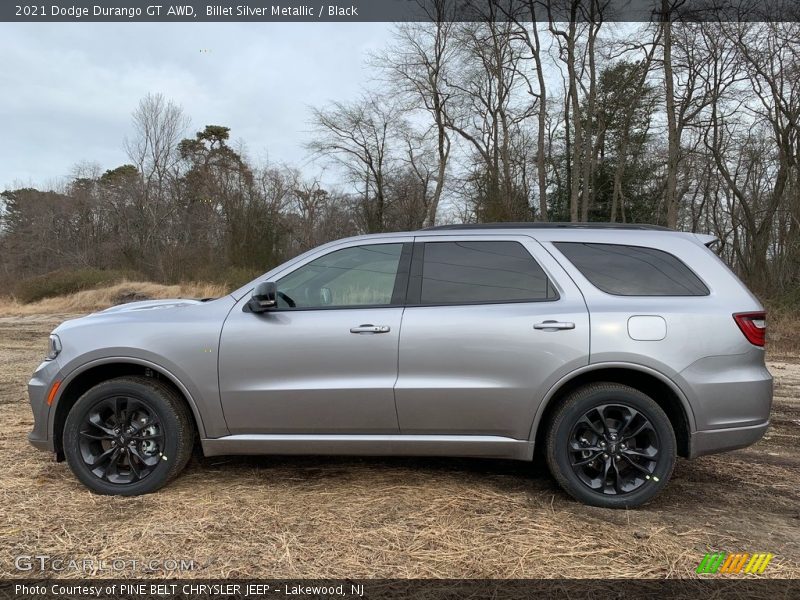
{"x":610,"y":445}
{"x":128,"y":436}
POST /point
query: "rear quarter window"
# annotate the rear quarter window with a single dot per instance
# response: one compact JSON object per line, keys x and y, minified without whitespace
{"x":632,"y":270}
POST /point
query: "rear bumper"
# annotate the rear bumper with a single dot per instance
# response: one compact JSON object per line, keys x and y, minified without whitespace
{"x":713,"y":441}
{"x":728,"y":392}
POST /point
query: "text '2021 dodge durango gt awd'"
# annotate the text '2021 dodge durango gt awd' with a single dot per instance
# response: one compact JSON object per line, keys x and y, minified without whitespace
{"x":612,"y":350}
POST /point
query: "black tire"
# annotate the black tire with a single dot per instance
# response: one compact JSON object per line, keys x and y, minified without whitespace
{"x":129,"y":460}
{"x":594,"y":425}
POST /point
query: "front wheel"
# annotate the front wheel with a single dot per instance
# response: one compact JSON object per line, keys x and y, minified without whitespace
{"x":610,"y":445}
{"x":128,"y":436}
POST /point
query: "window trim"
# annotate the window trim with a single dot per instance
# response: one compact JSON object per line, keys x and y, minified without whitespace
{"x":414,"y":295}
{"x":398,"y":290}
{"x":555,"y":243}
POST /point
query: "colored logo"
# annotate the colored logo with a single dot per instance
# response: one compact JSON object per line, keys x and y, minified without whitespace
{"x":739,"y":562}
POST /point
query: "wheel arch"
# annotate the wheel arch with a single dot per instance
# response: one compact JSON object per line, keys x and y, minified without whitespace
{"x":648,"y":381}
{"x":87,"y":376}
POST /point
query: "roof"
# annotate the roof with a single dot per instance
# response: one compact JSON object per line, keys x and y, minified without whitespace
{"x":547,"y":225}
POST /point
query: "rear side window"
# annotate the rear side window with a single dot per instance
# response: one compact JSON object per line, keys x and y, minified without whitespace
{"x":488,"y":272}
{"x":632,"y":270}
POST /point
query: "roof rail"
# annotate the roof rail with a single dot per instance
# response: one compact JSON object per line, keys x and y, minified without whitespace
{"x":547,"y":225}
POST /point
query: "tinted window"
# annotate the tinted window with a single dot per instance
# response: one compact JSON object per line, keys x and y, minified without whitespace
{"x":357,"y":276}
{"x":465,"y":272}
{"x":633,"y":270}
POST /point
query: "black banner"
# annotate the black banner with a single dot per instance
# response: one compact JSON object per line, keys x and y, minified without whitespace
{"x":423,"y":589}
{"x":399,"y":10}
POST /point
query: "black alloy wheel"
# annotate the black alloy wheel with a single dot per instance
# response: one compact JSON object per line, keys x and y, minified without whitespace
{"x":128,"y":436}
{"x":610,"y":445}
{"x":121,"y":440}
{"x":614,"y":449}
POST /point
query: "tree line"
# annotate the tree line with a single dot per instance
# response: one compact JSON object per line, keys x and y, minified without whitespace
{"x":690,"y":125}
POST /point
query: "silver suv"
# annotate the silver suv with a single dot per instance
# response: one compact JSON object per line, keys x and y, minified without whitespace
{"x":611,"y":350}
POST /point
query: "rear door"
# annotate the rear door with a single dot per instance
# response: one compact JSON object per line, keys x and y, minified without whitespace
{"x":491,"y":323}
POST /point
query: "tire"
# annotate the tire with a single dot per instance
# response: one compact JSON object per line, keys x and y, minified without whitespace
{"x":147,"y":453}
{"x":590,"y":429}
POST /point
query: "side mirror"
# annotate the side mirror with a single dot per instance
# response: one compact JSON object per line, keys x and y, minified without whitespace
{"x":265,"y":297}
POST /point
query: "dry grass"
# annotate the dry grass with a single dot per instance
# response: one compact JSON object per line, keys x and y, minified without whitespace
{"x":783,"y":332}
{"x":98,"y":299}
{"x":348,"y":517}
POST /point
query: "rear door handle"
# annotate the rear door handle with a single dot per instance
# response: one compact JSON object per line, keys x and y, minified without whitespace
{"x":554,"y":325}
{"x":371,"y":329}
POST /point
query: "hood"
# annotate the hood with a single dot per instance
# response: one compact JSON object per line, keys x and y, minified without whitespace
{"x":149,"y":305}
{"x":129,"y":309}
{"x":178,"y":310}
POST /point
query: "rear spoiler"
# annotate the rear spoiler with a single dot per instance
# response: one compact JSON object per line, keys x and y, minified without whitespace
{"x":707,"y":239}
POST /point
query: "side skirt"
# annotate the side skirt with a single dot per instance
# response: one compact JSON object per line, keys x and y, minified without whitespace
{"x":477,"y":446}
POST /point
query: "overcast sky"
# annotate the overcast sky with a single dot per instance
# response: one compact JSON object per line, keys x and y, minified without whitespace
{"x":67,"y":90}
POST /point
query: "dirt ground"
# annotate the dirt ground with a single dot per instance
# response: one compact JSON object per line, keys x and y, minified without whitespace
{"x":350,"y":517}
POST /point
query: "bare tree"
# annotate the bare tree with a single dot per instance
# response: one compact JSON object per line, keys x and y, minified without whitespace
{"x":159,"y":124}
{"x":592,"y":140}
{"x":357,"y":136}
{"x":418,"y":65}
{"x":673,"y":135}
{"x":638,"y":79}
{"x":757,"y":156}
{"x":582,"y":142}
{"x":520,"y":12}
{"x":489,"y":114}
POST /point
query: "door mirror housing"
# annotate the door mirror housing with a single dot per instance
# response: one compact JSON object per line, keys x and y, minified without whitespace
{"x":265,"y":297}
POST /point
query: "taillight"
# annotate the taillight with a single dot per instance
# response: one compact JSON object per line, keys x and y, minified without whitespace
{"x":753,"y":326}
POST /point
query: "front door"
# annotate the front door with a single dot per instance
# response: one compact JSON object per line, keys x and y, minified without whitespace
{"x":324,"y":361}
{"x":492,"y":322}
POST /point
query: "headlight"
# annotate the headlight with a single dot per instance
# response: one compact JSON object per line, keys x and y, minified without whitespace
{"x":54,"y":349}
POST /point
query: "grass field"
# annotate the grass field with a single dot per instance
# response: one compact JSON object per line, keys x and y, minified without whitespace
{"x":352,"y":517}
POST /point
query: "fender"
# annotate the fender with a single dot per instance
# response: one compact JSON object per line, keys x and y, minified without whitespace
{"x":130,"y":360}
{"x":687,"y":407}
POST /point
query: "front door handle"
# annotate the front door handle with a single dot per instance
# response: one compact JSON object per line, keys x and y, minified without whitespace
{"x":368,"y":328}
{"x":554,"y":325}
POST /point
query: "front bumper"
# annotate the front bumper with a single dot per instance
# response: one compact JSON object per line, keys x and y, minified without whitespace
{"x":44,"y":445}
{"x":38,"y":387}
{"x":713,"y":441}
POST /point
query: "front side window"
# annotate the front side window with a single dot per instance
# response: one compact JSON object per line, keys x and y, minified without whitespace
{"x":481,"y":272}
{"x":632,"y":270}
{"x":356,"y":276}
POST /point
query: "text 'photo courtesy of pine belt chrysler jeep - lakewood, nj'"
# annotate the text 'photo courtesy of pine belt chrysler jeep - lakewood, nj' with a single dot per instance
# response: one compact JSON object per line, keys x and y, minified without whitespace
{"x":608,"y":350}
